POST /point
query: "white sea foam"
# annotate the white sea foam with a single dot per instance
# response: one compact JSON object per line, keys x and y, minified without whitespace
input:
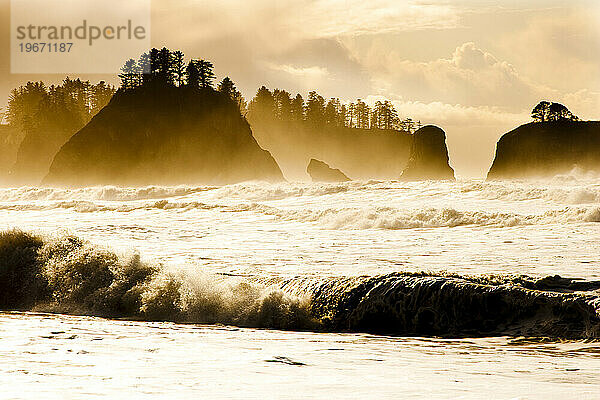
{"x":321,"y":228}
{"x":391,"y":218}
{"x":109,"y":193}
{"x":258,"y":191}
{"x":523,"y":191}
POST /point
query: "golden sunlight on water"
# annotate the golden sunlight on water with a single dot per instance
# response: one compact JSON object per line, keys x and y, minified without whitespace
{"x":53,"y":356}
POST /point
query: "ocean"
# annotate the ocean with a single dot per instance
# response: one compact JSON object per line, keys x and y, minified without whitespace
{"x":312,"y":242}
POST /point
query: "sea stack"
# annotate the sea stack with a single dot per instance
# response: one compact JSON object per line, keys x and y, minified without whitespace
{"x":428,"y":156}
{"x":164,"y":135}
{"x":321,"y":172}
{"x":545,"y":149}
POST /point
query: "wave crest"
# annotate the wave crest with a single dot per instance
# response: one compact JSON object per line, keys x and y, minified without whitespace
{"x":106,"y":193}
{"x":524,"y":191}
{"x":69,"y":275}
{"x":394,"y":218}
{"x":255,"y":191}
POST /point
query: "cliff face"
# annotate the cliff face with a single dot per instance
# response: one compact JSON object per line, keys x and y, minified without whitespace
{"x":428,"y":156}
{"x":35,"y":154}
{"x":360,"y":153}
{"x":163,"y":135}
{"x":321,"y":172}
{"x":546,"y":149}
{"x":10,"y":139}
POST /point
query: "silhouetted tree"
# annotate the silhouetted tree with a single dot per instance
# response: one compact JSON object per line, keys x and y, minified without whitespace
{"x":262,"y":106}
{"x":545,"y":111}
{"x":384,"y":116}
{"x":283,"y":105}
{"x":55,"y":109}
{"x":350,"y":118}
{"x":315,"y":108}
{"x":297,"y":108}
{"x":179,"y":67}
{"x":23,"y":104}
{"x":558,"y":112}
{"x":206,"y":74}
{"x":408,"y":125}
{"x":144,"y":68}
{"x":165,"y":67}
{"x":342,"y":116}
{"x":389,"y":117}
{"x":331,"y":113}
{"x":540,"y":111}
{"x":362,"y":115}
{"x":279,"y":105}
{"x":154,"y":63}
{"x":227,"y":87}
{"x":129,"y":74}
{"x":101,"y":95}
{"x":193,"y":76}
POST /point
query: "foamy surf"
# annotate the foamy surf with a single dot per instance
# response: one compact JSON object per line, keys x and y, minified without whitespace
{"x":68,"y":275}
{"x":387,"y":218}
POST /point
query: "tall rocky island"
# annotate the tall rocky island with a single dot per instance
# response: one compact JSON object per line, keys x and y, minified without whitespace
{"x":161,"y":134}
{"x":428,"y":156}
{"x":544,"y":149}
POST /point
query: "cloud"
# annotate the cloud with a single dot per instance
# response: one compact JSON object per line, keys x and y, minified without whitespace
{"x":559,"y":50}
{"x":273,"y":24}
{"x":306,"y":63}
{"x":468,"y":56}
{"x":301,"y":72}
{"x":471,"y":76}
{"x":326,"y":18}
{"x":310,"y":78}
{"x":583,"y":103}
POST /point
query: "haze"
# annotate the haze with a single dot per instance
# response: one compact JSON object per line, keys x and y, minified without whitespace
{"x":475,"y":68}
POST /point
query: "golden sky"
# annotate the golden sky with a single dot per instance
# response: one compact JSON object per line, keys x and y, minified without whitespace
{"x":474,"y":67}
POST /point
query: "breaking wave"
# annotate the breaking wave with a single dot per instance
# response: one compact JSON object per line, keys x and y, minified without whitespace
{"x":386,"y":218}
{"x":255,"y":191}
{"x":106,"y":193}
{"x":85,"y":206}
{"x":519,"y":191}
{"x":68,"y":275}
{"x":422,"y":304}
{"x":394,"y":218}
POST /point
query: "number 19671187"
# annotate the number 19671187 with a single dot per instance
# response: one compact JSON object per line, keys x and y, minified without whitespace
{"x":45,"y":47}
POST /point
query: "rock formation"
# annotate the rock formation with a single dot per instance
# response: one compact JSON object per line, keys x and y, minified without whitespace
{"x":321,"y":172}
{"x":10,"y":139}
{"x":164,"y":135}
{"x":545,"y":149}
{"x":35,"y":154}
{"x":428,"y":156}
{"x":360,"y":153}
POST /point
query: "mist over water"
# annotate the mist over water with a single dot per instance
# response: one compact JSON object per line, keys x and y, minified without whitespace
{"x":373,"y":227}
{"x":372,"y":256}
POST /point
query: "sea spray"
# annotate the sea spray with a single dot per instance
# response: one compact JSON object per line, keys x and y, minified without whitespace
{"x":69,"y":275}
{"x":344,"y":218}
